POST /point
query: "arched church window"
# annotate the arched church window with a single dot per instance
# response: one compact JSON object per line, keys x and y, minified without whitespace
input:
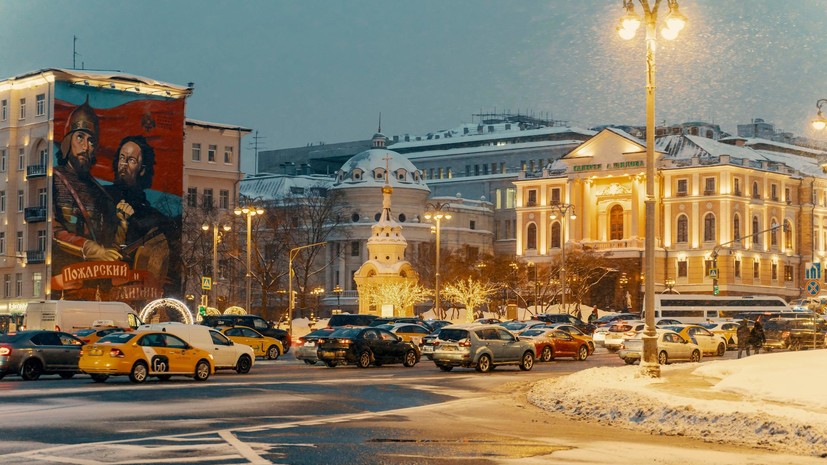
{"x":616,"y":223}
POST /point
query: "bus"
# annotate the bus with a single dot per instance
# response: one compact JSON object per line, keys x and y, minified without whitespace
{"x":690,"y":308}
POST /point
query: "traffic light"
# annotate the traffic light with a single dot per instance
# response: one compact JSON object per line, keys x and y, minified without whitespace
{"x":715,"y":289}
{"x":202,"y":310}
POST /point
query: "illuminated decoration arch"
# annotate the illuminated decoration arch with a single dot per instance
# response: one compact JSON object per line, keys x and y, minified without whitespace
{"x":235,"y":310}
{"x":176,"y":306}
{"x":212,"y":311}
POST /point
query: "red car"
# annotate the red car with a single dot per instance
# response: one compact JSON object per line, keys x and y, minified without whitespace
{"x":550,"y":343}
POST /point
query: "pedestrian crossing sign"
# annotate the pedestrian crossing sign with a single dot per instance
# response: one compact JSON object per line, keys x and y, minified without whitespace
{"x":206,"y":283}
{"x":812,"y":271}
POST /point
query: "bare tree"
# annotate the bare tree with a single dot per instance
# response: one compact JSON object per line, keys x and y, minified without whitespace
{"x":470,"y":293}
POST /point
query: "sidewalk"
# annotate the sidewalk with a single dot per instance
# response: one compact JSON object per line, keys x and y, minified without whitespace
{"x":768,"y":401}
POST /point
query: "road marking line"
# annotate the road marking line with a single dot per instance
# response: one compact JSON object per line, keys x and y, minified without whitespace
{"x":243,"y":449}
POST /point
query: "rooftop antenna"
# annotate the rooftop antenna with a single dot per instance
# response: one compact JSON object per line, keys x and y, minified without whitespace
{"x":256,"y":138}
{"x":75,"y":54}
{"x":380,"y":123}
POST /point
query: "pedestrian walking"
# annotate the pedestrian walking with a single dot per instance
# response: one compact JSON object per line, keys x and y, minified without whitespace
{"x":593,"y":315}
{"x":743,"y":335}
{"x":757,"y":337}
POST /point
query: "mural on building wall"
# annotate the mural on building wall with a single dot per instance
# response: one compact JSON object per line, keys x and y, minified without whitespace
{"x":117,"y":186}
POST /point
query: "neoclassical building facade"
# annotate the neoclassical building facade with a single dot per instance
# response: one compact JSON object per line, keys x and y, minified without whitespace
{"x":758,"y":216}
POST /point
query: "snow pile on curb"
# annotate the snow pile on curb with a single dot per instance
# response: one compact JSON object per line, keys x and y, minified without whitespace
{"x":768,"y":401}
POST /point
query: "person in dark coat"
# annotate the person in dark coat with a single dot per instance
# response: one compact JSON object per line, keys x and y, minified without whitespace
{"x":743,"y":335}
{"x":756,"y":337}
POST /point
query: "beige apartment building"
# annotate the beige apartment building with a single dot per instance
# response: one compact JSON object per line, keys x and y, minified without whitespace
{"x":38,"y":111}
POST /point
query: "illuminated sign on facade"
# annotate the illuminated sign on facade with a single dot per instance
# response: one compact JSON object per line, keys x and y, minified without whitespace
{"x":117,"y":185}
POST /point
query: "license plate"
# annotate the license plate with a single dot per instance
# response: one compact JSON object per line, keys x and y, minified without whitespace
{"x":427,"y":349}
{"x":309,"y":344}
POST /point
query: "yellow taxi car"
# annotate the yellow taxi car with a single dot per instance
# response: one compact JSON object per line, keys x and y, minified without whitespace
{"x":143,"y":354}
{"x":94,"y":333}
{"x":263,"y":346}
{"x":409,"y":332}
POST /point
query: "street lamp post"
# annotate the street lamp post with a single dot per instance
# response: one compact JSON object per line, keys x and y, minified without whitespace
{"x":438,"y":211}
{"x":338,"y":291}
{"x":291,"y":298}
{"x":624,"y":280}
{"x":249,"y":211}
{"x":629,"y":24}
{"x":562,"y":209}
{"x":215,"y":237}
{"x":536,"y":286}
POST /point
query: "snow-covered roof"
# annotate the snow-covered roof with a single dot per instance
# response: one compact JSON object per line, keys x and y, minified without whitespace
{"x":367,"y":169}
{"x":785,"y":147}
{"x":488,"y":149}
{"x":279,"y":186}
{"x":103,"y":75}
{"x":207,"y":124}
{"x":497,"y":135}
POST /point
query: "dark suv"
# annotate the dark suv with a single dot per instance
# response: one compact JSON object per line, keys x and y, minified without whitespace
{"x":251,"y":321}
{"x":555,"y":318}
{"x":350,"y":319}
{"x":794,"y":333}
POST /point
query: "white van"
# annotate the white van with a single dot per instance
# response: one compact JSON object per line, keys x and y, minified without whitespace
{"x":227,"y":355}
{"x":71,"y":315}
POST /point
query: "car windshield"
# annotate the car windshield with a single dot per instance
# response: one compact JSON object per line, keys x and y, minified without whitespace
{"x":84,"y":332}
{"x":345,"y":333}
{"x":449,"y":334}
{"x":116,"y":338}
{"x":532,"y":332}
{"x":513,"y":325}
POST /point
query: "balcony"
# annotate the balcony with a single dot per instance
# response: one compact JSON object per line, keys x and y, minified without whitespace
{"x":35,"y":214}
{"x":35,"y":171}
{"x":35,"y":256}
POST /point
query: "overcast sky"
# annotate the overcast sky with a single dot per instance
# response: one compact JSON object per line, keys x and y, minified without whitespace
{"x":307,"y":71}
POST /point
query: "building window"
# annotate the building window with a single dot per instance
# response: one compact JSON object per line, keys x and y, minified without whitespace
{"x":22,"y":114}
{"x":224,"y":199}
{"x":774,"y":269}
{"x":682,"y":230}
{"x":208,"y":201}
{"x":510,"y":197}
{"x":40,"y":104}
{"x":192,"y":196}
{"x":737,"y":186}
{"x":7,"y":285}
{"x":2,"y":243}
{"x":37,"y":284}
{"x":709,"y":227}
{"x":531,"y":237}
{"x":211,"y":153}
{"x":19,"y":286}
{"x":788,"y":273}
{"x":755,"y":231}
{"x":472,"y":225}
{"x":736,"y":227}
{"x":532,"y":198}
{"x":2,"y":201}
{"x":555,"y":235}
{"x":41,"y":240}
{"x":737,"y":268}
{"x":498,"y":202}
{"x":774,"y":234}
{"x":4,"y":109}
{"x":20,"y":201}
{"x":755,"y":193}
{"x":683,"y":269}
{"x":616,"y":223}
{"x":773,"y":192}
{"x":41,"y":197}
{"x":683,"y":188}
{"x":354,"y":248}
{"x":21,"y":159}
{"x":228,"y":155}
{"x":787,"y":195}
{"x":196,"y":152}
{"x":19,"y":248}
{"x":788,"y":235}
{"x":707,"y":266}
{"x":555,"y":195}
{"x":709,"y":186}
{"x":755,"y":269}
{"x":3,"y":160}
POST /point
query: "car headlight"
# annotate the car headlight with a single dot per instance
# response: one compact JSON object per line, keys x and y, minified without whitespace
{"x":210,"y":356}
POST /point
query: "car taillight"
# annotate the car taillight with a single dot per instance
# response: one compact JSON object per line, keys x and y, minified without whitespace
{"x":785,"y":334}
{"x":343,"y":341}
{"x":435,"y":342}
{"x":5,"y":351}
{"x":116,"y":353}
{"x":299,"y":341}
{"x":622,"y":346}
{"x":464,"y":343}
